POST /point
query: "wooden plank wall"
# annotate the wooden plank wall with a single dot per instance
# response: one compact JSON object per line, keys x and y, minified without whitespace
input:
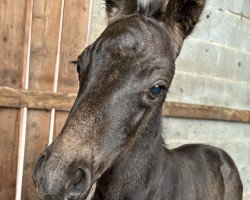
{"x":74,"y":37}
{"x":44,"y":43}
{"x":12,"y":34}
{"x":44,"y":57}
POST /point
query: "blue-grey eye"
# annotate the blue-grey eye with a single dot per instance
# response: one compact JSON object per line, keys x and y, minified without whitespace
{"x":156,"y":90}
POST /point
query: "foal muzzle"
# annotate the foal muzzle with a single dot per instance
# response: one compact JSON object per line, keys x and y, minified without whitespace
{"x":55,"y":180}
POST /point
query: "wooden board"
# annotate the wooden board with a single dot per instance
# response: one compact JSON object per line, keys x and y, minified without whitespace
{"x":60,"y":117}
{"x":44,"y":43}
{"x":9,"y":128}
{"x":74,"y":35}
{"x":43,"y":100}
{"x":63,"y":102}
{"x":194,"y":111}
{"x":12,"y":32}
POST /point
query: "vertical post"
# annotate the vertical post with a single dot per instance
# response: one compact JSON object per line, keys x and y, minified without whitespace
{"x":56,"y":74}
{"x":25,"y":85}
{"x":89,"y":22}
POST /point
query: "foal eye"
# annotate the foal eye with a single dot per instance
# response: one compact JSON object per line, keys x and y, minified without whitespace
{"x":156,"y":90}
{"x":78,"y":68}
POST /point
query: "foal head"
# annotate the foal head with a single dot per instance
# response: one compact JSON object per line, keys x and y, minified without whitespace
{"x":123,"y":80}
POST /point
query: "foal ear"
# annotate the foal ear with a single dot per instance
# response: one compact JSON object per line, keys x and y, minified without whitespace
{"x":181,"y":16}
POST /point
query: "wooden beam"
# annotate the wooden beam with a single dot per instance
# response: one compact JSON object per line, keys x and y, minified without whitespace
{"x":11,"y":97}
{"x":15,"y":98}
{"x":194,"y":111}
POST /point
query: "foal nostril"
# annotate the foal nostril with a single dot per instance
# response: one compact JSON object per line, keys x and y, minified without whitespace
{"x":78,"y":184}
{"x":38,"y":164}
{"x":40,"y":160}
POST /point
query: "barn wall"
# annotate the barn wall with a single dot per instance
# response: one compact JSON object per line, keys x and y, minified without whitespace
{"x":213,"y":69}
{"x":12,"y":33}
{"x":39,"y":37}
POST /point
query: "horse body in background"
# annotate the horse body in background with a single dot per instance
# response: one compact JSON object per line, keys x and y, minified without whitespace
{"x":112,"y":136}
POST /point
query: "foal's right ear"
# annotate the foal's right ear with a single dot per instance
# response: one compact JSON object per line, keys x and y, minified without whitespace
{"x":180,"y":17}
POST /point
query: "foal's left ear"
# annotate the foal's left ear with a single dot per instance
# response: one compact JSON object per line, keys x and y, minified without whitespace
{"x":180,"y":17}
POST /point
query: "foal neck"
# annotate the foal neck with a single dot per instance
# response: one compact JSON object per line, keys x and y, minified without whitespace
{"x":138,"y":173}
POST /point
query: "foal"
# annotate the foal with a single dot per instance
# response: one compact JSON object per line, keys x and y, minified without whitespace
{"x":112,"y":136}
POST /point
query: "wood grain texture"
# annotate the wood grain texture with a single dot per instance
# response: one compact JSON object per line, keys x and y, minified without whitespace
{"x":194,"y":111}
{"x":44,"y":43}
{"x":60,"y":117}
{"x":9,"y":133}
{"x":74,"y":35}
{"x":64,"y":101}
{"x":42,"y":100}
{"x":12,"y":34}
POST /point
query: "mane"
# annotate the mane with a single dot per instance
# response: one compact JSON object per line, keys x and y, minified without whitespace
{"x":149,"y":8}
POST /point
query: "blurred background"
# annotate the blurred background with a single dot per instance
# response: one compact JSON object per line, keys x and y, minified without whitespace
{"x":208,"y":102}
